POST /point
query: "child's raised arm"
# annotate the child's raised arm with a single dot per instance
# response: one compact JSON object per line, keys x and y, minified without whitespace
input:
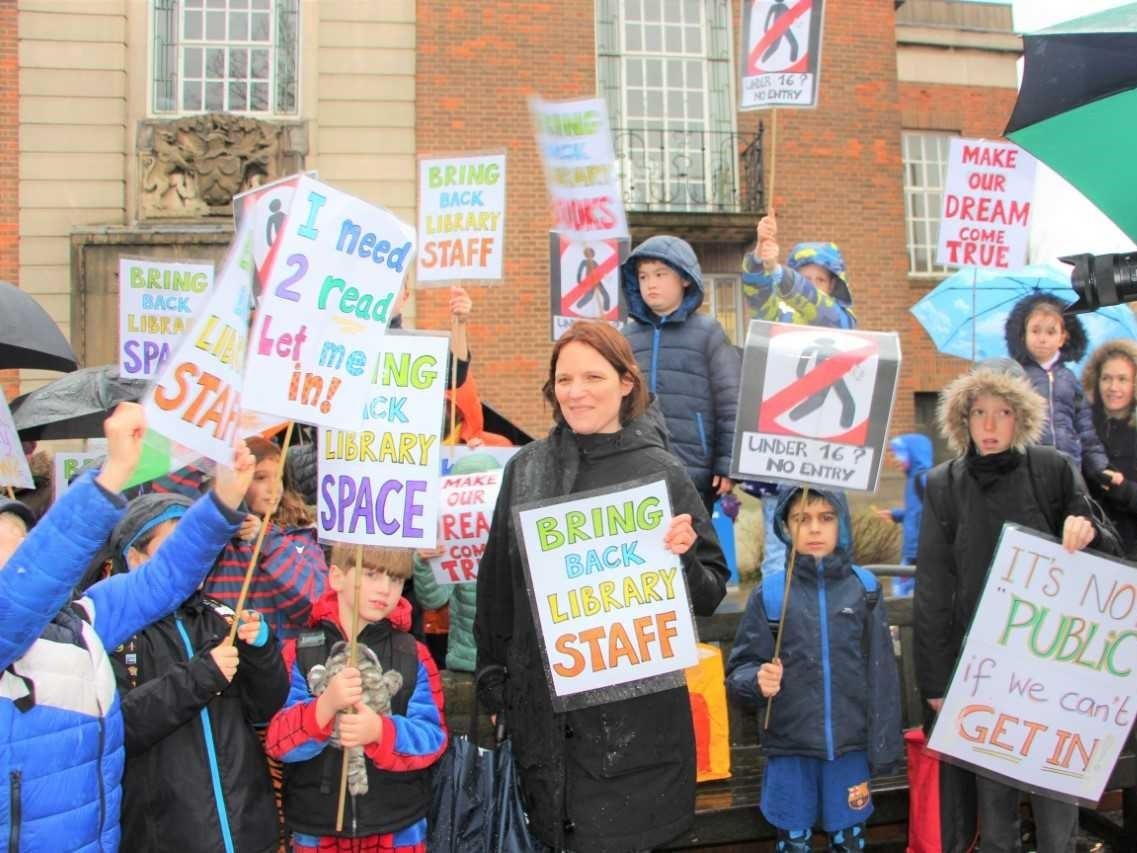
{"x":123,"y":605}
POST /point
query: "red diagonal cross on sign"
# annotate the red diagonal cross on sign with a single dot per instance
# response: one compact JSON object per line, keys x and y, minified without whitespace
{"x":592,"y":279}
{"x":821,"y":377}
{"x":774,"y":33}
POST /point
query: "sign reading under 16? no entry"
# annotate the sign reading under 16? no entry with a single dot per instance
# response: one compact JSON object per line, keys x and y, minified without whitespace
{"x":815,"y":405}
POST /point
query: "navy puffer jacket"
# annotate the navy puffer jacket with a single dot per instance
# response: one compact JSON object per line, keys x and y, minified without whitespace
{"x":689,"y":364}
{"x":840,"y":688}
{"x":1070,"y":421}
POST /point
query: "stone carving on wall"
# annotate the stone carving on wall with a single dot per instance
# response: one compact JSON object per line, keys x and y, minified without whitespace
{"x":192,"y":167}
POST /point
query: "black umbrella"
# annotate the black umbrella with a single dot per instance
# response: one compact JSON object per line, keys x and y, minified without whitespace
{"x":28,"y":336}
{"x":1077,"y":107}
{"x":75,"y":405}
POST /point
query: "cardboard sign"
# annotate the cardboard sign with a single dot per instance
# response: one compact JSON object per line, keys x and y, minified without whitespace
{"x":781,"y":53}
{"x":468,"y":502}
{"x":380,"y":485}
{"x":67,"y":466}
{"x":157,"y":303}
{"x":985,"y":218}
{"x":580,"y":168}
{"x":461,"y":218}
{"x":14,"y":470}
{"x":268,"y":206}
{"x":1045,"y":690}
{"x":329,"y":296}
{"x":609,"y":600}
{"x":814,"y":405}
{"x":585,"y":281}
{"x":196,"y":402}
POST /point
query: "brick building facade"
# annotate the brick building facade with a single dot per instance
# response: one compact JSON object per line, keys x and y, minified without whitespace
{"x":9,"y":159}
{"x":930,"y":68}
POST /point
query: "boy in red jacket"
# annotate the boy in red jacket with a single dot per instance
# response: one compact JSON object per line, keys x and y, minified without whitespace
{"x":399,"y":746}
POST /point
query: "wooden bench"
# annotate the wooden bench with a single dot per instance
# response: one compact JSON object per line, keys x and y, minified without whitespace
{"x":726,"y":811}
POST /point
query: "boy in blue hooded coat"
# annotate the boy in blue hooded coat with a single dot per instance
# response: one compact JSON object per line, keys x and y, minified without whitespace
{"x":913,"y":453}
{"x":837,"y":716}
{"x":61,"y":731}
{"x":690,"y":365}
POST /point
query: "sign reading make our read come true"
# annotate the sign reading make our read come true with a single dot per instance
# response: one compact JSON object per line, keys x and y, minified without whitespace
{"x":14,"y":470}
{"x":1045,"y":690}
{"x":328,"y":297}
{"x":580,"y":168}
{"x":461,"y":217}
{"x":781,"y":53}
{"x":380,"y":485}
{"x":814,"y":405}
{"x":985,"y":218}
{"x":157,"y":303}
{"x":196,"y":401}
{"x":468,"y":502}
{"x":610,"y":601}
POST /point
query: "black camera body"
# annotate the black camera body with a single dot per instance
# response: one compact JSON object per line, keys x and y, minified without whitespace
{"x":1102,"y":280}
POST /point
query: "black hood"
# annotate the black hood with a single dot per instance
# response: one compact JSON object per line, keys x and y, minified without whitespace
{"x":1074,"y":348}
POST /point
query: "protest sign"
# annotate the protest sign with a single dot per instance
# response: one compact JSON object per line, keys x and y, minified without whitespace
{"x":461,"y":217}
{"x":67,"y":466}
{"x":781,"y":53}
{"x":380,"y":485}
{"x":580,"y":168}
{"x":196,"y":402}
{"x":1045,"y":690}
{"x":14,"y":470}
{"x":329,"y":296}
{"x":468,"y":502}
{"x":814,"y":405}
{"x":610,"y":602}
{"x":268,"y":205}
{"x":585,"y":281}
{"x":987,"y":200}
{"x":157,"y":302}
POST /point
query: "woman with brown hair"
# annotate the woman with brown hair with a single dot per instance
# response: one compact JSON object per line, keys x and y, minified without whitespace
{"x":620,"y":775}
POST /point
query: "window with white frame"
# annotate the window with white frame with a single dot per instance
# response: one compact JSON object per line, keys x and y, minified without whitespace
{"x":725,"y":305}
{"x":237,"y":56}
{"x":925,"y":170}
{"x":664,"y":69}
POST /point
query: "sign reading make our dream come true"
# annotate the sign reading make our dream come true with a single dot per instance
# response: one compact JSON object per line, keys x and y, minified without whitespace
{"x":468,"y":502}
{"x":985,"y":220}
{"x":328,"y":297}
{"x":157,"y":303}
{"x":380,"y":485}
{"x":1045,"y":690}
{"x":610,"y":601}
{"x":814,"y":405}
{"x":461,"y":217}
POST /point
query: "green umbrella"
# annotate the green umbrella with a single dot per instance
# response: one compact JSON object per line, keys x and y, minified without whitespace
{"x":1077,"y":107}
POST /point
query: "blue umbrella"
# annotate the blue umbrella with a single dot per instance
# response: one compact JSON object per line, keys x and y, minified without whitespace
{"x":965,"y":314}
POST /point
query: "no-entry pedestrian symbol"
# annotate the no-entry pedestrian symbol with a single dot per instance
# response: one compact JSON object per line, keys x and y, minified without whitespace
{"x":781,"y":53}
{"x":815,"y":404}
{"x":585,"y":281}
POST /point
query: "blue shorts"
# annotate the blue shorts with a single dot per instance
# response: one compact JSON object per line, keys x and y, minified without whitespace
{"x":803,"y":793}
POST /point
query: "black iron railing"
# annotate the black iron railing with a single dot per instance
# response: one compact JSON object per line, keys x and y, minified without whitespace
{"x":698,"y":171}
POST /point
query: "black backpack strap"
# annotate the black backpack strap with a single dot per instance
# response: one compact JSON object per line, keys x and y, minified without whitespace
{"x":1050,"y":509}
{"x":312,"y":649}
{"x":945,"y":510}
{"x":921,"y":484}
{"x":404,"y":652}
